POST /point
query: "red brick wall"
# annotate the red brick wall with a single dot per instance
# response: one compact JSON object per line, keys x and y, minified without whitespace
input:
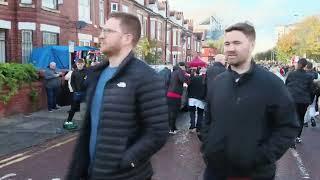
{"x":21,"y":102}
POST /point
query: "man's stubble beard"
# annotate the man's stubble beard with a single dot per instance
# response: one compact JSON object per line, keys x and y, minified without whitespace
{"x":112,"y":51}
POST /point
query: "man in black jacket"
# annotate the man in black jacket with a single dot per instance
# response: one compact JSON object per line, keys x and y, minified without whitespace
{"x":174,"y":94}
{"x":126,"y":120}
{"x":300,"y":85}
{"x":252,"y":119}
{"x":78,"y":78}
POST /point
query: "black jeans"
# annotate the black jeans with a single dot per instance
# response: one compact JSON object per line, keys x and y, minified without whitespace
{"x":192,"y":111}
{"x":52,"y":98}
{"x":301,"y":110}
{"x":75,"y":107}
{"x":174,"y":107}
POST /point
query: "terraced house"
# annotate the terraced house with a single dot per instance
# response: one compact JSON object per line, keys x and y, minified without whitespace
{"x":25,"y":24}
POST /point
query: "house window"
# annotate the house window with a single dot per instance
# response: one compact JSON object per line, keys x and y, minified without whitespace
{"x":84,"y":10}
{"x":198,"y":46}
{"x":174,"y":38}
{"x":145,"y":26}
{"x":101,"y":12}
{"x":114,"y":7}
{"x":26,"y":1}
{"x":188,"y":58}
{"x":168,"y":37}
{"x":2,"y":46}
{"x":189,"y":43}
{"x":49,"y":39}
{"x":84,"y":43}
{"x":153,"y":29}
{"x":26,"y":45}
{"x":52,"y":4}
{"x":125,"y":8}
{"x":178,"y":38}
{"x":141,"y":22}
{"x":159,"y":31}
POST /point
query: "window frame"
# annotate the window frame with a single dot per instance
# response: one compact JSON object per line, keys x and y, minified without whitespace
{"x":83,"y":7}
{"x":3,"y":31}
{"x":29,"y":2}
{"x":111,"y":7}
{"x":26,"y":43}
{"x":50,"y":33}
{"x":55,"y":4}
{"x":101,"y":12}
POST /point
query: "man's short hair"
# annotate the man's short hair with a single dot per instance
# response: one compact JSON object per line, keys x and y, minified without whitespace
{"x":303,"y":62}
{"x":80,"y":61}
{"x":129,"y":23}
{"x":182,"y":64}
{"x":245,"y":27}
{"x":309,"y":65}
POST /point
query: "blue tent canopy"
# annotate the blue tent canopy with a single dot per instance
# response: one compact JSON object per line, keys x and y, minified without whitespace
{"x":41,"y":57}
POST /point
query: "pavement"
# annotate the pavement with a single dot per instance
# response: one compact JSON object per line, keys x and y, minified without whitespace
{"x":20,"y":131}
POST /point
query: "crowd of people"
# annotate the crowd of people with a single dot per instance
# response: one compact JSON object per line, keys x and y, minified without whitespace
{"x":245,"y":116}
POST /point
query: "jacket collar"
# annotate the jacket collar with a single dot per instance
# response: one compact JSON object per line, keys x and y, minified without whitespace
{"x":99,"y":68}
{"x":240,"y":78}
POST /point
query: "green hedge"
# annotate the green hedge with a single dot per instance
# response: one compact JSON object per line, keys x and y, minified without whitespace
{"x":13,"y":76}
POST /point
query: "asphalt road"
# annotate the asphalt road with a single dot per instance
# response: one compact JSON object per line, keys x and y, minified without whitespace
{"x":179,"y":159}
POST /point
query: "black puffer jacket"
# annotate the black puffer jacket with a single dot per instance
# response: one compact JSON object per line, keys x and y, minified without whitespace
{"x":133,"y":124}
{"x":300,"y":85}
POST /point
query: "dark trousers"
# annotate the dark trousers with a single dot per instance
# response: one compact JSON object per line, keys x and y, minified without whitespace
{"x":52,"y":98}
{"x":192,"y":111}
{"x":174,"y":107}
{"x":210,"y":175}
{"x":301,"y":110}
{"x":75,"y":107}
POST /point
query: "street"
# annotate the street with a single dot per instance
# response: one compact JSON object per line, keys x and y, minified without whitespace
{"x":179,"y":159}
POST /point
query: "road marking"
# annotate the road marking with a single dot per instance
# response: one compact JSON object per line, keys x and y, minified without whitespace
{"x":23,"y":156}
{"x":13,"y":157}
{"x":7,"y":176}
{"x":14,"y":161}
{"x":303,"y":170}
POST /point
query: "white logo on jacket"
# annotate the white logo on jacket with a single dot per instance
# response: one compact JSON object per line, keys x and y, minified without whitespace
{"x":122,"y":84}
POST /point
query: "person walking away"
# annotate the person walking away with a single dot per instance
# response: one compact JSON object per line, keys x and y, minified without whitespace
{"x":78,"y":78}
{"x":309,"y":69}
{"x":52,"y":84}
{"x":166,"y":73}
{"x":126,"y":120}
{"x":196,"y":94}
{"x":300,"y":85}
{"x":174,"y":94}
{"x":252,"y":119}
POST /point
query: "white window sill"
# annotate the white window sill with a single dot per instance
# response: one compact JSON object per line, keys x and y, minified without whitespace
{"x":27,"y":5}
{"x":50,"y":10}
{"x":4,"y":3}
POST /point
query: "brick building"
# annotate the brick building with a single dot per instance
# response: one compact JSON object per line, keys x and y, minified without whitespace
{"x":25,"y":24}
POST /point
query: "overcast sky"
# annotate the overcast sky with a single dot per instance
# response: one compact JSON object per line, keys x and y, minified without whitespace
{"x":266,"y":15}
